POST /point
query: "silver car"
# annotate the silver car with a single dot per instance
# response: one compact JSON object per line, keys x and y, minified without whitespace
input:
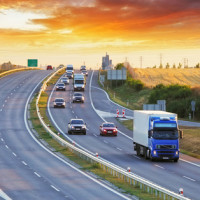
{"x":60,"y":86}
{"x":77,"y":126}
{"x":59,"y":102}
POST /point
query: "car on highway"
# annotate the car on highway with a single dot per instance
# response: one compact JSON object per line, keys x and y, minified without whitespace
{"x":60,"y":86}
{"x":49,"y":67}
{"x":77,"y":126}
{"x":85,"y":72}
{"x":78,"y":97}
{"x":65,"y":80}
{"x":83,"y":67}
{"x":59,"y":103}
{"x":108,"y":128}
{"x":69,"y":75}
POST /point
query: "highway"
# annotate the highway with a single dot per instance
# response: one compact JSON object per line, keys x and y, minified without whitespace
{"x":28,"y":169}
{"x":119,"y":150}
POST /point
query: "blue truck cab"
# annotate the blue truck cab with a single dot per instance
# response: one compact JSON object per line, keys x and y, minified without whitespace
{"x":163,"y":138}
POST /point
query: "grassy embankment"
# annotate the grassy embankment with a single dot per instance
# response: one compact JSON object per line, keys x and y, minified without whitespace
{"x":190,"y":144}
{"x":84,"y":165}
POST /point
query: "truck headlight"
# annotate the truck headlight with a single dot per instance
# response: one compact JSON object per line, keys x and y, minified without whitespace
{"x":176,"y":153}
{"x":154,"y":152}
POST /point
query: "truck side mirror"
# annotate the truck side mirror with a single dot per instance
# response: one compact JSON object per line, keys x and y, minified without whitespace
{"x":150,"y":133}
{"x":181,"y":134}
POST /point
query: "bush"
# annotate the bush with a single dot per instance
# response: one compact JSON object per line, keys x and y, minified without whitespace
{"x":178,"y":98}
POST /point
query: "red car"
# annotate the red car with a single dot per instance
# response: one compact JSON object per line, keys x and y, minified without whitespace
{"x":108,"y":128}
{"x":49,"y":67}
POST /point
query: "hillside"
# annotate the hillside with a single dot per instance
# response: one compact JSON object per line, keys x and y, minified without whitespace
{"x":152,"y":77}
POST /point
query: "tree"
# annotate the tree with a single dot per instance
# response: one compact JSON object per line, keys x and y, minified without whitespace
{"x":154,"y":66}
{"x":167,"y":66}
{"x":174,"y":66}
{"x":119,"y":66}
{"x":197,"y":65}
{"x":179,"y":65}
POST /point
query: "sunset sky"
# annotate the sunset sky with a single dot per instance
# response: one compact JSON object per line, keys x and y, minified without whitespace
{"x":76,"y":31}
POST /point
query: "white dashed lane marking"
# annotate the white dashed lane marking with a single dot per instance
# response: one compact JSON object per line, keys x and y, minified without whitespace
{"x":55,"y":188}
{"x":189,"y":178}
{"x":24,"y":163}
{"x":160,"y":166}
{"x":37,"y":174}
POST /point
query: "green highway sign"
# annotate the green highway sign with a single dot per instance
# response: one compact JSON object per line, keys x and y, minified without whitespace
{"x":32,"y":62}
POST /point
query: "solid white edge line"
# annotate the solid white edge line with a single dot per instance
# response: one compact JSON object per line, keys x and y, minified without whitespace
{"x":59,"y":158}
{"x":4,"y":195}
{"x":95,"y":108}
{"x":122,"y":132}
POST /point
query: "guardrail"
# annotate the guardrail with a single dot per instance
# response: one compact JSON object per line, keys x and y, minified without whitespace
{"x":145,"y":185}
{"x":14,"y":70}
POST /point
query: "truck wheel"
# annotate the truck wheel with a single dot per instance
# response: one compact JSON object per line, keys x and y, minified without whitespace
{"x":176,"y":160}
{"x":145,"y":153}
{"x":151,"y":158}
{"x":138,"y":150}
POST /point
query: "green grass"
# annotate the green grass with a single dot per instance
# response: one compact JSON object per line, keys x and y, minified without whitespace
{"x":127,"y":96}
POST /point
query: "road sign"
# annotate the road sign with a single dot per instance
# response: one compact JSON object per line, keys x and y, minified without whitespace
{"x":193,"y":105}
{"x":32,"y":62}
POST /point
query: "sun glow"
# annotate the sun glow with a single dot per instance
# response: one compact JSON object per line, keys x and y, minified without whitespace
{"x":13,"y":19}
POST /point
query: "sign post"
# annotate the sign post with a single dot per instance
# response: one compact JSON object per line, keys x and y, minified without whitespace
{"x":193,"y":107}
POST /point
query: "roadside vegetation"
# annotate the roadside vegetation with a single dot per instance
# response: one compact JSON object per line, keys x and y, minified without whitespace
{"x":86,"y":166}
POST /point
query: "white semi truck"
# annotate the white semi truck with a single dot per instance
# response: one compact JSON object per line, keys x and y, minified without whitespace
{"x":156,"y":134}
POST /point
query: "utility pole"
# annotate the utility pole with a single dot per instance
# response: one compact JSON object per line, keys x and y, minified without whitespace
{"x":140,"y":61}
{"x":160,"y":59}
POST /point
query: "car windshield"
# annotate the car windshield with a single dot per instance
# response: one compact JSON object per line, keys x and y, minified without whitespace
{"x":60,"y":84}
{"x":108,"y":125}
{"x":59,"y":100}
{"x":69,"y":73}
{"x":77,"y":94}
{"x":77,"y":121}
{"x":173,"y":134}
{"x":64,"y":79}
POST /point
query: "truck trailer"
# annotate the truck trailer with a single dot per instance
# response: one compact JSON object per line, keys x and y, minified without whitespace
{"x":156,"y":135}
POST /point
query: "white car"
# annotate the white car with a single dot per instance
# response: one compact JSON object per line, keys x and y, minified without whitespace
{"x":59,"y":102}
{"x":60,"y":86}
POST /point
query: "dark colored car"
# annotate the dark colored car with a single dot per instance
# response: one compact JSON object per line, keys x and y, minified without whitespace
{"x":78,"y":97}
{"x":60,"y":86}
{"x":59,"y":102}
{"x":108,"y":128}
{"x":85,"y":72}
{"x":49,"y":67}
{"x":83,"y":67}
{"x":69,"y":75}
{"x":77,"y":126}
{"x":65,"y":80}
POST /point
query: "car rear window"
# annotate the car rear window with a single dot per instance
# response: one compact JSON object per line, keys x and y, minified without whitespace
{"x":108,"y":125}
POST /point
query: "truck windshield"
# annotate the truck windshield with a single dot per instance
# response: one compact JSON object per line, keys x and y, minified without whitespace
{"x":170,"y":135}
{"x":79,"y":82}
